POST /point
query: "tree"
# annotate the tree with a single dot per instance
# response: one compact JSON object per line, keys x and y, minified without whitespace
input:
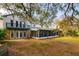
{"x":65,"y":24}
{"x":26,"y":11}
{"x":45,"y":12}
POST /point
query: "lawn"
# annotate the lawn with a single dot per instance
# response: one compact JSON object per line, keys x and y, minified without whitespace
{"x":61,"y":46}
{"x":68,"y":39}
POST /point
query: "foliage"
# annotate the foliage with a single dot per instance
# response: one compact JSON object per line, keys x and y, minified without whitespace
{"x":67,"y":24}
{"x":43,"y":13}
{"x":2,"y":34}
{"x":26,"y":11}
{"x":72,"y":33}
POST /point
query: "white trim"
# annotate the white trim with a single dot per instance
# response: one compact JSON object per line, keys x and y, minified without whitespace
{"x":45,"y":37}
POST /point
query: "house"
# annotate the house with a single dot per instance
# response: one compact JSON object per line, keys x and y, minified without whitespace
{"x":41,"y":33}
{"x":1,"y":24}
{"x":16,"y":28}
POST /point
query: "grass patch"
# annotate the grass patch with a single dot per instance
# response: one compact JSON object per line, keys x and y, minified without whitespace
{"x":68,"y":39}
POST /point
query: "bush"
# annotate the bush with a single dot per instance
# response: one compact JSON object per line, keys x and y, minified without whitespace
{"x":2,"y":34}
{"x":72,"y":33}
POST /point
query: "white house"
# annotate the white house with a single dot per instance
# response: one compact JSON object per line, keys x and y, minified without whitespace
{"x":1,"y":24}
{"x":16,"y":28}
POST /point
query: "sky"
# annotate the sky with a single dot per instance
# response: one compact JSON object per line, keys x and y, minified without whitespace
{"x":2,"y":12}
{"x":59,"y":14}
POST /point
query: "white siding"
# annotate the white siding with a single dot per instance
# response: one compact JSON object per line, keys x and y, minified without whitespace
{"x":1,"y":24}
{"x":15,"y":18}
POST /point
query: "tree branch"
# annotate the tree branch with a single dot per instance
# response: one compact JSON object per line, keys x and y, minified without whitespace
{"x":67,"y":9}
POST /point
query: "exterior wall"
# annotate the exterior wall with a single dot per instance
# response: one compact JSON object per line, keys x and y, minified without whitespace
{"x":10,"y":31}
{"x":7,"y":19}
{"x":1,"y":24}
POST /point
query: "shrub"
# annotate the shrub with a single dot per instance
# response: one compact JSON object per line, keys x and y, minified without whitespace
{"x":72,"y":33}
{"x":58,"y":32}
{"x":2,"y":34}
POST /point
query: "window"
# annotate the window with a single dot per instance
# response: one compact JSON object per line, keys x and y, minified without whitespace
{"x":16,"y":23}
{"x":20,"y":24}
{"x":20,"y":34}
{"x":14,"y":34}
{"x":11,"y":22}
{"x":24,"y":25}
